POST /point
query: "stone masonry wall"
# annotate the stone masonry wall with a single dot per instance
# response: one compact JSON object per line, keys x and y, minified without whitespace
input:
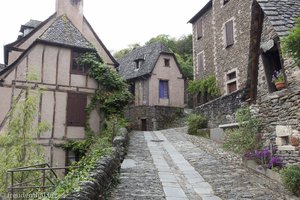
{"x":157,"y":117}
{"x":235,"y":56}
{"x":219,"y":60}
{"x":221,"y":110}
{"x":279,"y":111}
{"x":103,"y":172}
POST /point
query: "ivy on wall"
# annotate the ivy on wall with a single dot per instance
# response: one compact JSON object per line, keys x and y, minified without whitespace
{"x":205,"y":85}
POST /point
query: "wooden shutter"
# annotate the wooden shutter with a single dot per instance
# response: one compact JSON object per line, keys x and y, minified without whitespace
{"x":163,"y":89}
{"x":76,"y":105}
{"x":229,"y":33}
{"x":199,"y":29}
{"x":200,"y":64}
{"x":232,"y":87}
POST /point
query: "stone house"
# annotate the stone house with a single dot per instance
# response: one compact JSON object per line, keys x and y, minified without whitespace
{"x":156,"y":82}
{"x":50,"y":49}
{"x":239,"y":42}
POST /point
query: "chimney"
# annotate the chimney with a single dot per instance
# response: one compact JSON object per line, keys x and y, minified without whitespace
{"x":73,"y":9}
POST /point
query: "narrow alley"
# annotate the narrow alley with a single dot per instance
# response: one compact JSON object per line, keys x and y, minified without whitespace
{"x":172,"y":165}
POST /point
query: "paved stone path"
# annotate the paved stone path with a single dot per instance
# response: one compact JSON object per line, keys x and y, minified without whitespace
{"x":172,"y":165}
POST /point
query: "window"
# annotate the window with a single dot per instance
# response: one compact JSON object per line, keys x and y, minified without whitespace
{"x":76,"y":105}
{"x":199,"y":29}
{"x":167,"y":62}
{"x":200,"y":60}
{"x":71,"y":157}
{"x":76,"y":67}
{"x":272,"y":62}
{"x":231,"y":82}
{"x":163,"y":89}
{"x":225,"y":1}
{"x":229,"y":33}
{"x":138,"y":63}
{"x":132,"y":88}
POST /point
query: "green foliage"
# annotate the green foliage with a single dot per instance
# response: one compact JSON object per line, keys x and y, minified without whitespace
{"x":71,"y":182}
{"x":113,"y":94}
{"x":206,"y":85}
{"x":245,"y":138}
{"x":98,"y":147}
{"x":123,"y":52}
{"x":195,"y":122}
{"x":291,"y":178}
{"x":291,"y":43}
{"x":18,"y":148}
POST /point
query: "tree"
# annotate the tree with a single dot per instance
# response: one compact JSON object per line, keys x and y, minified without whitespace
{"x":291,"y":43}
{"x":123,"y":52}
{"x":18,"y":148}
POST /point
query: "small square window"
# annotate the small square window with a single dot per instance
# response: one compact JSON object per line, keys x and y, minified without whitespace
{"x":225,"y":1}
{"x":167,"y":62}
{"x":231,"y":76}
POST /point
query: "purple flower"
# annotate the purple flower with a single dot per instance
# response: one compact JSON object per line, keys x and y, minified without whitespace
{"x":275,"y":162}
{"x":265,"y":153}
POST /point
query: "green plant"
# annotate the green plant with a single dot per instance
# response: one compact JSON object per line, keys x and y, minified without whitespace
{"x":291,"y":43}
{"x":195,"y":122}
{"x":18,"y":147}
{"x":245,"y":138}
{"x":278,"y":77}
{"x":291,"y":178}
{"x":205,"y":85}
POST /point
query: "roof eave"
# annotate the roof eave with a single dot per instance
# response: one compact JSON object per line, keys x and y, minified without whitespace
{"x":201,"y":12}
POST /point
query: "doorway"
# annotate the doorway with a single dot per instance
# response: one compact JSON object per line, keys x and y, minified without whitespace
{"x":144,"y":124}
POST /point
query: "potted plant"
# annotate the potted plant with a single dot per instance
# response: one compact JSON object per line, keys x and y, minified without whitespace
{"x":294,"y":140}
{"x":278,"y":79}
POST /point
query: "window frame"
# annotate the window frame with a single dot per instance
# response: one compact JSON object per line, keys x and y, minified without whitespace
{"x":231,"y":80}
{"x":165,"y":94}
{"x":76,"y":114}
{"x":77,"y":70}
{"x":229,"y":33}
{"x":199,"y":29}
{"x":167,"y":62}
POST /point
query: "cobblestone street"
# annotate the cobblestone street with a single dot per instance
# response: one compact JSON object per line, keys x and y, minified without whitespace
{"x":172,"y":165}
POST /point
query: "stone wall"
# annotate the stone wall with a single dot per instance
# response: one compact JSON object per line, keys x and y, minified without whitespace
{"x":221,"y":110}
{"x":102,"y":175}
{"x":279,"y":111}
{"x":156,"y":117}
{"x":219,"y":59}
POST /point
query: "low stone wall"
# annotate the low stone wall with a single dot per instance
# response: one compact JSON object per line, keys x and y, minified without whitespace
{"x":155,"y":117}
{"x":221,"y":110}
{"x":103,"y":172}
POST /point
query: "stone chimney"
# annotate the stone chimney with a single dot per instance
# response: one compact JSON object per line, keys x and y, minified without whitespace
{"x":73,"y":9}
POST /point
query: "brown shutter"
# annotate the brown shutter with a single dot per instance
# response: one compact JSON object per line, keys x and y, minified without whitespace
{"x":76,"y":105}
{"x":199,"y":29}
{"x":229,"y":33}
{"x":200,"y":64}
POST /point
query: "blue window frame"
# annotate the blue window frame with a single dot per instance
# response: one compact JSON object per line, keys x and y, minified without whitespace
{"x":163,"y":89}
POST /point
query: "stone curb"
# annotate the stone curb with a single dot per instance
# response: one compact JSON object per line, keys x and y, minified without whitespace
{"x":103,"y":172}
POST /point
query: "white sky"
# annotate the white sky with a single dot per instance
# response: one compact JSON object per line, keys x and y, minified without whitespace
{"x":118,"y":23}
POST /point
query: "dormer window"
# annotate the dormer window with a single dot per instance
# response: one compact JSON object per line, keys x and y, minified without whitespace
{"x":138,"y":63}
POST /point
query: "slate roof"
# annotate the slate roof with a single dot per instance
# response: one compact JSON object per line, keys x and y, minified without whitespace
{"x":149,"y":53}
{"x":281,"y":13}
{"x":62,"y":31}
{"x":32,"y":23}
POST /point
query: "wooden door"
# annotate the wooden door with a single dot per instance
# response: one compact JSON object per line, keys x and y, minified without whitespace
{"x":144,"y":124}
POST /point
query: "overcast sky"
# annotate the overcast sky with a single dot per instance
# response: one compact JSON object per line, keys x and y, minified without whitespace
{"x":118,"y":23}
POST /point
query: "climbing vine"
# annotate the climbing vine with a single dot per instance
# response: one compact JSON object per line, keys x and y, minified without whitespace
{"x":205,"y":85}
{"x":109,"y":100}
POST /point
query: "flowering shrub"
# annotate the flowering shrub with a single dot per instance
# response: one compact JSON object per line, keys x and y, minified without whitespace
{"x":277,"y":76}
{"x":265,"y":159}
